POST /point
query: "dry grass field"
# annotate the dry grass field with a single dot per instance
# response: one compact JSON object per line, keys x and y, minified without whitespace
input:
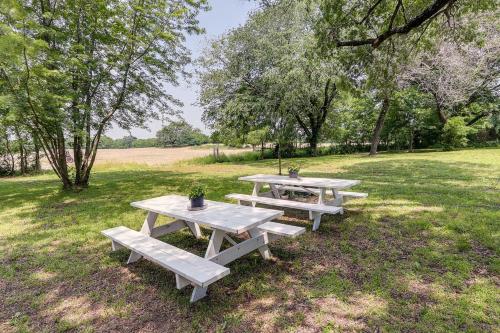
{"x":154,"y":156}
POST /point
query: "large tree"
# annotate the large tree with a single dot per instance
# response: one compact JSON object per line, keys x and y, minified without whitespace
{"x":268,"y":70}
{"x":74,"y":66}
{"x":458,"y":73}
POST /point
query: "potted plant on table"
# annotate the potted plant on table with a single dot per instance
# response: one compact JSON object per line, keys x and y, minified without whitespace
{"x":293,"y":171}
{"x":197,"y":196}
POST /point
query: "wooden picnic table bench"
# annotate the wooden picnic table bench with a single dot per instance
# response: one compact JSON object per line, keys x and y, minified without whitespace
{"x":222,"y":218}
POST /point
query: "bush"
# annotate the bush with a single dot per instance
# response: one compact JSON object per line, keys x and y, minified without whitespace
{"x":454,"y":133}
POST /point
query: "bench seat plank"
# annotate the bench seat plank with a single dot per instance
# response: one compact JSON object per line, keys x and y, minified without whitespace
{"x":200,"y":271}
{"x":286,"y":203}
{"x":282,"y":229}
{"x":316,"y":191}
{"x":353,"y":194}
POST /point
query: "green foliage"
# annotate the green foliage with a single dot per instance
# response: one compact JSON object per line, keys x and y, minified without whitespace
{"x":267,"y":74}
{"x":72,"y":67}
{"x":126,"y":142}
{"x":293,"y":168}
{"x":455,"y":133}
{"x":197,"y":191}
{"x":180,"y":133}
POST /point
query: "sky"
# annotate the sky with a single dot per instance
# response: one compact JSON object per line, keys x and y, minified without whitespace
{"x":224,"y":15}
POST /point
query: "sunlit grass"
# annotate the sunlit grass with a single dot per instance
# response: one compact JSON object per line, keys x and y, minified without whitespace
{"x":419,"y":254}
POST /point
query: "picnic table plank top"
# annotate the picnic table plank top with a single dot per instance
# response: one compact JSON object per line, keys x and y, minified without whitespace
{"x":302,"y":181}
{"x":218,"y":215}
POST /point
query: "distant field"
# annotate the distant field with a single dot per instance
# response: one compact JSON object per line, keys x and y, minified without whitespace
{"x":155,"y":156}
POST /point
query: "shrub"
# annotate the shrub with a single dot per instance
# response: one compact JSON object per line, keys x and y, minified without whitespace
{"x":455,"y":133}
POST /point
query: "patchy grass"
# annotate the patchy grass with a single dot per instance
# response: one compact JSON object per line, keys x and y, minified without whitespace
{"x":420,"y":254}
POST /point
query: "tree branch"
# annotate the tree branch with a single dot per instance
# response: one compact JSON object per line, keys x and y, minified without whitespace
{"x":428,"y":13}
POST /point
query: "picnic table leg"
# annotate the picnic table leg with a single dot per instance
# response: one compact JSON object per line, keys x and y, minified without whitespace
{"x":256,"y":190}
{"x":264,"y":249}
{"x":215,"y":243}
{"x":147,"y":227}
{"x":275,"y":191}
{"x":195,"y":229}
{"x":322,"y":195}
{"x":339,"y":199}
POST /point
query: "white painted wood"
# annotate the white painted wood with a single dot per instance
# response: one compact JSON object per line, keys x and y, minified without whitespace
{"x":149,"y":223}
{"x":195,"y":229}
{"x":215,"y":243}
{"x":302,"y":181}
{"x":133,"y":257}
{"x":282,"y":229}
{"x":275,"y":191}
{"x":198,"y":293}
{"x":313,"y":191}
{"x":338,"y":199}
{"x":264,"y":249}
{"x":286,"y":203}
{"x":218,"y":215}
{"x":322,"y":196}
{"x":115,"y":246}
{"x":317,"y":221}
{"x":353,"y":194}
{"x":168,"y":228}
{"x":230,"y":240}
{"x":181,"y":282}
{"x":200,"y":271}
{"x":316,"y":191}
{"x":256,"y":190}
{"x":239,"y":250}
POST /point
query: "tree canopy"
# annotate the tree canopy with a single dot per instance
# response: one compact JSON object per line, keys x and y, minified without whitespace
{"x":72,"y":67}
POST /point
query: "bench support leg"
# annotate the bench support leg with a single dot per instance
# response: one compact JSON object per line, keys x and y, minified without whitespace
{"x":195,"y":229}
{"x":264,"y":249}
{"x":198,"y":293}
{"x":134,"y":256}
{"x":147,"y":229}
{"x":317,"y":221}
{"x":115,"y":246}
{"x":181,"y":282}
{"x":311,"y":215}
{"x":215,"y":243}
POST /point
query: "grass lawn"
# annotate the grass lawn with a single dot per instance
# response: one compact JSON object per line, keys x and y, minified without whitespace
{"x":421,"y":254}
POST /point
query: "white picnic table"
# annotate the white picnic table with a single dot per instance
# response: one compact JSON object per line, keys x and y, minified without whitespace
{"x":306,"y":184}
{"x":316,"y":186}
{"x":222,"y":218}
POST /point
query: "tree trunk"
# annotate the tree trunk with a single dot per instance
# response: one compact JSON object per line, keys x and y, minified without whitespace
{"x":9,"y":151}
{"x":22,"y":151}
{"x":411,"y":139}
{"x":279,"y":159}
{"x":379,"y":126}
{"x":313,"y":142}
{"x":441,"y":115}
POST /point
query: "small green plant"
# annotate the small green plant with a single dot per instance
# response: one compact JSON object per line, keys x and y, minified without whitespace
{"x":293,"y":168}
{"x":197,"y":191}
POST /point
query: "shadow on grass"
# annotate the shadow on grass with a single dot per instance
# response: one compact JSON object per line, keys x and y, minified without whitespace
{"x":385,"y":260}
